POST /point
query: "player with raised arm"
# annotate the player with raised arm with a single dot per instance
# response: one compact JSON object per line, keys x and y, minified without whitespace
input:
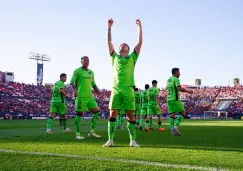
{"x":144,"y":102}
{"x":153,"y":106}
{"x":58,"y":104}
{"x":137,"y":96}
{"x":174,"y":102}
{"x":123,"y":65}
{"x":82,"y":82}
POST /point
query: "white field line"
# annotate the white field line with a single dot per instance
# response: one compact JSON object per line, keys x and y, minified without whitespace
{"x":178,"y":166}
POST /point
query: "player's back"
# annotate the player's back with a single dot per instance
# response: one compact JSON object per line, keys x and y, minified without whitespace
{"x":144,"y":97}
{"x":152,"y":95}
{"x":56,"y":94}
{"x":137,"y":96}
{"x":172,"y":91}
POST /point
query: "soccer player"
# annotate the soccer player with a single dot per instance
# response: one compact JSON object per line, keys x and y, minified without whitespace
{"x":174,"y":102}
{"x":137,"y":96}
{"x":120,"y":119}
{"x":82,"y":82}
{"x":153,"y":106}
{"x":58,"y":104}
{"x":123,"y":65}
{"x":144,"y":101}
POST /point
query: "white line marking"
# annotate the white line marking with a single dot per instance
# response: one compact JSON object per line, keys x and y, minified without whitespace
{"x":178,"y":166}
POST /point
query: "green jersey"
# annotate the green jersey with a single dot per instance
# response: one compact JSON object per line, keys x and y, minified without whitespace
{"x":173,"y":92}
{"x":152,"y":94}
{"x":84,"y":81}
{"x":57,"y":97}
{"x":137,"y":96}
{"x":123,"y":69}
{"x":144,"y":98}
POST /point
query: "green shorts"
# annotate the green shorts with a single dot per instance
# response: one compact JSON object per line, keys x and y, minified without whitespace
{"x":84,"y":103}
{"x":122,"y":96}
{"x":175,"y":107}
{"x":137,"y":111}
{"x":58,"y":107}
{"x":152,"y":109}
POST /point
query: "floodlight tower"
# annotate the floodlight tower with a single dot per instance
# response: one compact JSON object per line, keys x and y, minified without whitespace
{"x":40,"y":58}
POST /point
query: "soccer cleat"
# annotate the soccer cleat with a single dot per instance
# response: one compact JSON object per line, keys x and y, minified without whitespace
{"x":79,"y":137}
{"x":177,"y":131}
{"x":67,"y":130}
{"x":134,"y":144}
{"x":147,"y":130}
{"x":161,"y":129}
{"x":49,"y":131}
{"x":93,"y":134}
{"x":109,"y":143}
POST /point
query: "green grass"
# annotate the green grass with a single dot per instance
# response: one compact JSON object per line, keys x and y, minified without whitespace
{"x":216,"y":144}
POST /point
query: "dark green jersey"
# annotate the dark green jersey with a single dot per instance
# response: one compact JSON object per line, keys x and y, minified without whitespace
{"x":152,"y":94}
{"x":173,"y":92}
{"x":123,"y":69}
{"x":84,"y":81}
{"x":57,"y":97}
{"x":137,"y":97}
{"x":144,"y":97}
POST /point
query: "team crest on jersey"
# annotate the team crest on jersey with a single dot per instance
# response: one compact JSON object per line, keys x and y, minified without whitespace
{"x":89,"y":72}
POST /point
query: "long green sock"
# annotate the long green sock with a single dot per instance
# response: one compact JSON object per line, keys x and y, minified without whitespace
{"x":111,"y":128}
{"x":171,"y":122}
{"x":141,"y":121}
{"x":94,"y":121}
{"x":147,"y":124}
{"x":121,"y":120}
{"x":77,"y":124}
{"x":132,"y":130}
{"x":64,"y":124}
{"x":150,"y":123}
{"x":179,"y":120}
{"x":159,"y":125}
{"x":49,"y":123}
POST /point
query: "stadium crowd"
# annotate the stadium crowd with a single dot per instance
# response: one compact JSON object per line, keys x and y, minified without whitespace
{"x":27,"y":98}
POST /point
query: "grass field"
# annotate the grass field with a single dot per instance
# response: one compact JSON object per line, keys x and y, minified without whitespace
{"x":205,"y":145}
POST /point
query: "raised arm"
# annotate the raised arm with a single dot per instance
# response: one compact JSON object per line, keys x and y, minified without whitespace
{"x":140,"y":37}
{"x":110,"y":45}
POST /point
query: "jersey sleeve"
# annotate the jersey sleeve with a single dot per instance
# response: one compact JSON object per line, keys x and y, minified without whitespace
{"x":113,"y":55}
{"x":177,"y":82}
{"x":157,"y":92}
{"x":134,"y":55}
{"x":74,"y":77}
{"x":62,"y":85}
{"x":93,"y":80}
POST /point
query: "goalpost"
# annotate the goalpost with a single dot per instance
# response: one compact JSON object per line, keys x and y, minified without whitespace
{"x":215,"y":115}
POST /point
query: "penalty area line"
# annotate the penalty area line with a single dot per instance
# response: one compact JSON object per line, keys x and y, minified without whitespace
{"x":177,"y":166}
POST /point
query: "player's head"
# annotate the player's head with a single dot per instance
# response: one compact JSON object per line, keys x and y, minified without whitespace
{"x":154,"y":83}
{"x":135,"y":89}
{"x":146,"y":86}
{"x":176,"y":72}
{"x":63,"y":77}
{"x":124,"y":50}
{"x":85,"y":61}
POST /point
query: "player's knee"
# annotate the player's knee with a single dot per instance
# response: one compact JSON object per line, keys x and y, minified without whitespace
{"x":172,"y":115}
{"x":113,"y":113}
{"x":183,"y":113}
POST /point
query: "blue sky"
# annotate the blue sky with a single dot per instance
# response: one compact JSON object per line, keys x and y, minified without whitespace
{"x":202,"y":37}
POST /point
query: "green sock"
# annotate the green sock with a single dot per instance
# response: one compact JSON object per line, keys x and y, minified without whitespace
{"x":132,"y":130}
{"x":171,"y":121}
{"x":179,"y":119}
{"x":64,"y":124}
{"x":159,"y":124}
{"x":94,"y":120}
{"x":147,"y":124}
{"x":121,"y":120}
{"x":150,"y":123}
{"x":111,"y":128}
{"x":77,"y":124}
{"x":49,"y":122}
{"x":141,"y":121}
